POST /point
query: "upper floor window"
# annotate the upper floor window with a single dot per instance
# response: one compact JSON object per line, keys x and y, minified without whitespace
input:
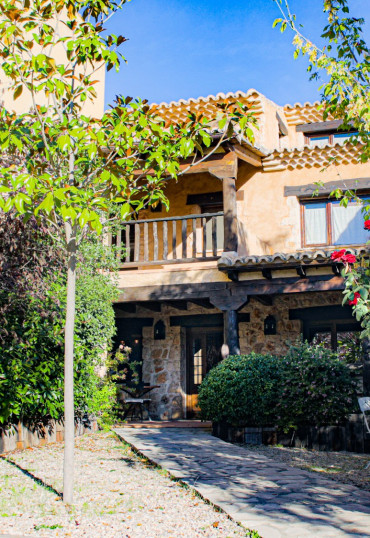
{"x":328,"y":138}
{"x":329,"y":223}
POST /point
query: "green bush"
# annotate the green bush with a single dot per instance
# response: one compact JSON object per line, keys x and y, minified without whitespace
{"x":241,"y":390}
{"x":310,"y":385}
{"x":317,"y":387}
{"x":31,"y":342}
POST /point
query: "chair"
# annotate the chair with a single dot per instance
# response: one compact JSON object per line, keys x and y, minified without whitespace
{"x":132,"y":404}
{"x":364,"y":404}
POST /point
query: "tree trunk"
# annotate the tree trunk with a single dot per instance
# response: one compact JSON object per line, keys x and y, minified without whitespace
{"x":69,"y":422}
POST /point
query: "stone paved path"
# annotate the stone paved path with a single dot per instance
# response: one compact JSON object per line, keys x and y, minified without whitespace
{"x":274,"y":499}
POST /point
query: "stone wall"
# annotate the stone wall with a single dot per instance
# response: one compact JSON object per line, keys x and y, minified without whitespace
{"x":252,"y":337}
{"x":162,"y":366}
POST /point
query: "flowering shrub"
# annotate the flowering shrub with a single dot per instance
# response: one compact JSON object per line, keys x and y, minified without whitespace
{"x":356,"y":274}
{"x":310,"y":385}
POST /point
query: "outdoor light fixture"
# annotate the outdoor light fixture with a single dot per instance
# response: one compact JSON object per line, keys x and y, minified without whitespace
{"x":270,"y":325}
{"x":159,"y":330}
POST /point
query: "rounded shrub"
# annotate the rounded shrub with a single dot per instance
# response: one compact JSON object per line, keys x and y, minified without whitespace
{"x":317,"y":388}
{"x":242,"y":391}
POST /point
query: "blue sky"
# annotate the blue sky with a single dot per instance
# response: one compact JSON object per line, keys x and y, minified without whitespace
{"x":187,"y":48}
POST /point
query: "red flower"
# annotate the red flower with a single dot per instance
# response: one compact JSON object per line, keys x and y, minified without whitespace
{"x":356,"y":297}
{"x":349,"y":258}
{"x":367,"y":224}
{"x":337,"y":255}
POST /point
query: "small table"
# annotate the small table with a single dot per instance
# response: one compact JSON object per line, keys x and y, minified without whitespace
{"x":136,"y":399}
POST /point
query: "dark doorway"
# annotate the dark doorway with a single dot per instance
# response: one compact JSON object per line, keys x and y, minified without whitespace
{"x":130,"y":332}
{"x":203,"y":354}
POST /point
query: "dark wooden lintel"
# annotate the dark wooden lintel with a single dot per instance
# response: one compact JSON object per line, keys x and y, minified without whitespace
{"x":187,"y":292}
{"x":267,"y":273}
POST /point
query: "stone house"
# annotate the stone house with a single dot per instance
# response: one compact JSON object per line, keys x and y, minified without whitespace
{"x":241,"y":261}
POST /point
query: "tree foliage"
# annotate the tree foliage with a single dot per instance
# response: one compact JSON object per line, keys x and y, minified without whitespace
{"x":344,"y":60}
{"x":75,"y":170}
{"x":33,"y":301}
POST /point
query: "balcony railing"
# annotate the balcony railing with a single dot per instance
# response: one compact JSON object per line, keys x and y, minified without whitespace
{"x":190,"y":238}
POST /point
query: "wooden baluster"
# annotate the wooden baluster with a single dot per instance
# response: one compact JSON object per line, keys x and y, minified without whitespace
{"x":183,"y":234}
{"x":119,"y":245}
{"x":194,"y":223}
{"x":165,"y":240}
{"x":214,"y":236}
{"x":204,"y":226}
{"x":127,"y":243}
{"x":155,"y":241}
{"x":146,"y":242}
{"x":137,"y":243}
{"x":174,"y":239}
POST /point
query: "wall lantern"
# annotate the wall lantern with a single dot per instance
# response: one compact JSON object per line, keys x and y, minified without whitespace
{"x":270,"y":325}
{"x":159,"y":331}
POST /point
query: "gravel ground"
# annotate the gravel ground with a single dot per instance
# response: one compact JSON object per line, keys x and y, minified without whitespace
{"x":346,"y":467}
{"x":116,"y":495}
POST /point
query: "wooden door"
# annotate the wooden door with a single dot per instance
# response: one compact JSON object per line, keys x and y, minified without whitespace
{"x":203,"y":353}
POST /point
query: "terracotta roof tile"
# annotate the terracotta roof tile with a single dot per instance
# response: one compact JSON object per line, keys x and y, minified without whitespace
{"x":280,"y":260}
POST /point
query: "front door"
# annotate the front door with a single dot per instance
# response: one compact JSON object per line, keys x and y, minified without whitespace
{"x":203,"y":353}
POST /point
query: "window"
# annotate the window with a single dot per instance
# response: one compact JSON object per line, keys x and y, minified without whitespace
{"x":329,"y":223}
{"x":331,"y":137}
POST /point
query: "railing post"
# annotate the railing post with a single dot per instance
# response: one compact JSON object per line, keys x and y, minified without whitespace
{"x":230,"y":215}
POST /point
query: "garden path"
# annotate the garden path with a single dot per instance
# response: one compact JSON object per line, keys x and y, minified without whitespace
{"x":276,"y":500}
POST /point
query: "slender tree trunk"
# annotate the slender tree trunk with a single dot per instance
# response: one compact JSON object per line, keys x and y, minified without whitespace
{"x":69,"y":419}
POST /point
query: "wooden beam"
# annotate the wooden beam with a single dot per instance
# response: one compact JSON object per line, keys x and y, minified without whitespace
{"x":230,"y":214}
{"x":308,"y":190}
{"x":219,"y":165}
{"x":129,"y":308}
{"x":202,"y":302}
{"x":246,"y":155}
{"x":283,"y":128}
{"x":319,"y":126}
{"x":336,"y":269}
{"x":187,"y":292}
{"x":153,"y":306}
{"x":226,"y":301}
{"x":180,"y":305}
{"x":267,"y":273}
{"x":301,"y":271}
{"x":231,"y":331}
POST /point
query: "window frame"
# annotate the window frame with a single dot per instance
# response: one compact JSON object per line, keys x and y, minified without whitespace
{"x":329,"y":236}
{"x":308,"y":137}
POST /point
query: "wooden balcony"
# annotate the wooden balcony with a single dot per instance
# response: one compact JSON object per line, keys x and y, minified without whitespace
{"x":190,"y":238}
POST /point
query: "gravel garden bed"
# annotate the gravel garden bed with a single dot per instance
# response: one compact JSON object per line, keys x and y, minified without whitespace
{"x":116,"y":495}
{"x":346,"y":467}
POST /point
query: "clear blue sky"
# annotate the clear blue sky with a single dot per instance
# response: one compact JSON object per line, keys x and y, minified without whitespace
{"x":187,"y":48}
